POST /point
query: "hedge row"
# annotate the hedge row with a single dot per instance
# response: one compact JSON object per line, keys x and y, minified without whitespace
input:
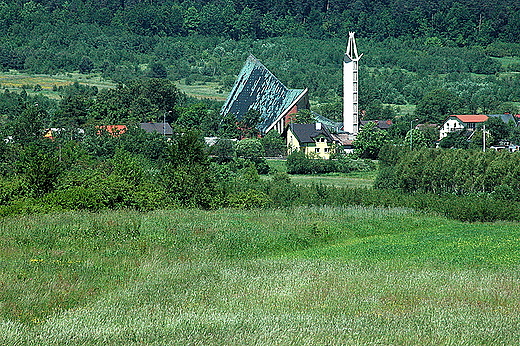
{"x":460,"y":172}
{"x":300,"y":163}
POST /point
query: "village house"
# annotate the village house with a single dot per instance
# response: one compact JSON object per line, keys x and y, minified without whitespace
{"x":469,"y":122}
{"x":312,"y":139}
{"x":162,"y":128}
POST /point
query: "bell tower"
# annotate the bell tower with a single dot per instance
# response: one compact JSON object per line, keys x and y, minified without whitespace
{"x":351,"y":87}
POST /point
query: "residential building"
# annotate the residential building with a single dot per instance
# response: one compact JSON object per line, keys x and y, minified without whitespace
{"x":470,"y":122}
{"x":162,"y":128}
{"x":312,"y":139}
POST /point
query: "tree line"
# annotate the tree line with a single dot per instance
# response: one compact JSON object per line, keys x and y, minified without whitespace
{"x":457,"y":172}
{"x":459,"y":21}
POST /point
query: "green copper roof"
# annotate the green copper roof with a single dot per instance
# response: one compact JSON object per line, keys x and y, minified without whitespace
{"x":257,"y":88}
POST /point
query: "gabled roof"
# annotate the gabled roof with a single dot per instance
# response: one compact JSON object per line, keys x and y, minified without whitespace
{"x":114,"y":130}
{"x":343,"y":139}
{"x":305,"y":133}
{"x":162,"y":128}
{"x":506,"y":118}
{"x":257,"y":88}
{"x":382,"y":124}
{"x":477,"y":118}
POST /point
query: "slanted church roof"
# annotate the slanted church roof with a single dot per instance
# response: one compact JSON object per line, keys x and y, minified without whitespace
{"x":257,"y":88}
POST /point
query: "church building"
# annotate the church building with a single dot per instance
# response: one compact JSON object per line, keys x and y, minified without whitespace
{"x":258,"y":89}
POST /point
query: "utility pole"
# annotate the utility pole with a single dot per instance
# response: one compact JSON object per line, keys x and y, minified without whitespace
{"x":484,"y":138}
{"x":411,"y":133}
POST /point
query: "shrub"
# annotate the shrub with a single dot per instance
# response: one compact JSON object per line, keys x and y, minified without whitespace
{"x":248,"y":199}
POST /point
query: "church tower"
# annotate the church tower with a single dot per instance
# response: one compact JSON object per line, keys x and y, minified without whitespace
{"x":350,"y":87}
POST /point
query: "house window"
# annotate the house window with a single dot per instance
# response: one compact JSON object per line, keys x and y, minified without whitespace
{"x":316,"y":150}
{"x":326,"y":150}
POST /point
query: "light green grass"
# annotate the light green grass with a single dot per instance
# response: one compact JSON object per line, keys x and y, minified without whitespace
{"x":364,"y":179}
{"x":304,"y":276}
{"x":203,"y":90}
{"x":407,"y":109}
{"x":277,"y":165}
{"x":507,"y":61}
{"x":354,"y":179}
{"x":15,"y":81}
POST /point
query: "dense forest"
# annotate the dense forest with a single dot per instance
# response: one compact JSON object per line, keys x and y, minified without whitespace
{"x":413,"y":51}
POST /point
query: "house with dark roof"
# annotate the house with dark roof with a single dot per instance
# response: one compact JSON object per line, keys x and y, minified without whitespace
{"x":381,"y":124}
{"x":258,"y":89}
{"x":312,"y":139}
{"x":162,"y":128}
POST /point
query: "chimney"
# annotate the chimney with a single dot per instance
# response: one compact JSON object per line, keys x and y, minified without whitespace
{"x":318,"y":126}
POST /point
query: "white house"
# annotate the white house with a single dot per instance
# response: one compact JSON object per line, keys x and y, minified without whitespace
{"x":461,"y":122}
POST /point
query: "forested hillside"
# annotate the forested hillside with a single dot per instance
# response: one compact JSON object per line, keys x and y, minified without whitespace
{"x":415,"y":52}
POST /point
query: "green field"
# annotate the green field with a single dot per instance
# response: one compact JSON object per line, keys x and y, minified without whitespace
{"x":353,"y":179}
{"x":303,"y":276}
{"x":203,"y":90}
{"x":15,"y":81}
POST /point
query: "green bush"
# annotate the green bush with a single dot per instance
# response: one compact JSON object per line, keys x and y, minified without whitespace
{"x":249,"y":199}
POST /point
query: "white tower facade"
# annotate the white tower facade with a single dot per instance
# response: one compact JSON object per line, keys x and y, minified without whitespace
{"x":350,"y":87}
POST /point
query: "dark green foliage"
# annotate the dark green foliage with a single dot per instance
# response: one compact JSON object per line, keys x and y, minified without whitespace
{"x":436,"y":105}
{"x":460,"y":172}
{"x":498,"y":130}
{"x":416,"y":139}
{"x":186,"y":174}
{"x":274,"y":144}
{"x":455,"y":140}
{"x":39,"y":164}
{"x":369,"y":141}
{"x":138,"y":101}
{"x":223,"y":151}
{"x":376,"y":110}
{"x":157,"y":70}
{"x":304,"y":116}
{"x":248,"y":199}
{"x":29,"y":126}
{"x":248,"y":124}
{"x":482,"y":208}
{"x":299,"y":163}
{"x":251,"y":149}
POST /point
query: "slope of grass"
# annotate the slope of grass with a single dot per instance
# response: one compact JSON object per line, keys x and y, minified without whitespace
{"x":17,"y":80}
{"x":335,"y":276}
{"x":203,"y":90}
{"x":352,"y":180}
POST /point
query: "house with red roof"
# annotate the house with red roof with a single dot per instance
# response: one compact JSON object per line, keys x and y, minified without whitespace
{"x":461,"y":122}
{"x":114,"y":130}
{"x":469,"y":122}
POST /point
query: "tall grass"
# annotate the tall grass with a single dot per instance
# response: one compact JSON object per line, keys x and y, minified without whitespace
{"x":310,"y":276}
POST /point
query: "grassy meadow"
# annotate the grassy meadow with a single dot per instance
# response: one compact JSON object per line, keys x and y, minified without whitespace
{"x":362,"y":179}
{"x":301,"y":276}
{"x":203,"y":90}
{"x":15,"y":81}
